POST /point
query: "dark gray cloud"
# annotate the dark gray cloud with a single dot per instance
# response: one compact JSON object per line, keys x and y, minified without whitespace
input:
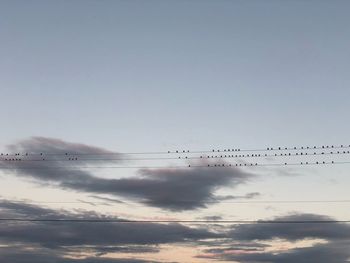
{"x":335,"y":236}
{"x":292,"y":231}
{"x":235,"y":197}
{"x":180,"y":189}
{"x":40,"y":255}
{"x":174,"y":189}
{"x":54,"y":148}
{"x":211,"y":218}
{"x":59,"y":234}
{"x":51,"y":241}
{"x":335,"y":252}
{"x":122,"y":249}
{"x":107,"y":200}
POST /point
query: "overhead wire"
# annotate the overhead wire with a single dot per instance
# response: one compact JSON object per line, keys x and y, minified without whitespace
{"x":342,"y":146}
{"x":65,"y":220}
{"x":217,"y":165}
{"x":190,"y":201}
{"x":241,"y":156}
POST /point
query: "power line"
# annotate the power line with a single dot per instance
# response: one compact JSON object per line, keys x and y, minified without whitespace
{"x":188,"y":151}
{"x":189,"y":201}
{"x":28,"y":220}
{"x":218,"y":165}
{"x":71,"y":159}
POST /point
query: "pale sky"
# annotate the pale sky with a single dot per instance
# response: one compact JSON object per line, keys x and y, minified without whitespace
{"x":144,"y":76}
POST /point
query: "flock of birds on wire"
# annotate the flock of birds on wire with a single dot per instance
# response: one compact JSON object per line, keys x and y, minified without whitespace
{"x":306,"y":151}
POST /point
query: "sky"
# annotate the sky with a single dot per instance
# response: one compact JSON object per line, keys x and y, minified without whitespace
{"x":106,"y":78}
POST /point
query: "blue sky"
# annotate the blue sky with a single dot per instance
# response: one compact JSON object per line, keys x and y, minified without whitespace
{"x":214,"y":73}
{"x":166,"y":75}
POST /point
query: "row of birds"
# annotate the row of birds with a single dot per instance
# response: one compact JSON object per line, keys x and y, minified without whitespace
{"x":189,"y":157}
{"x":256,"y":164}
{"x":248,"y":164}
{"x":272,"y":155}
{"x":43,"y":159}
{"x":271,"y":149}
{"x":188,"y":151}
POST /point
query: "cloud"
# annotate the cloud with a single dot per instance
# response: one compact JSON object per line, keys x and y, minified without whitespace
{"x":51,"y":234}
{"x":54,"y":241}
{"x":40,"y":255}
{"x":211,"y":218}
{"x":334,"y":248}
{"x":107,"y":199}
{"x":180,"y":189}
{"x":335,"y":252}
{"x":292,"y":231}
{"x":37,"y":145}
{"x":172,"y":189}
{"x":235,"y":197}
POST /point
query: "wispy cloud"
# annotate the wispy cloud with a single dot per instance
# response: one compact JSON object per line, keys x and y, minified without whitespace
{"x":50,"y":241}
{"x":42,"y":255}
{"x":334,"y":248}
{"x":180,"y":189}
{"x":90,"y":238}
